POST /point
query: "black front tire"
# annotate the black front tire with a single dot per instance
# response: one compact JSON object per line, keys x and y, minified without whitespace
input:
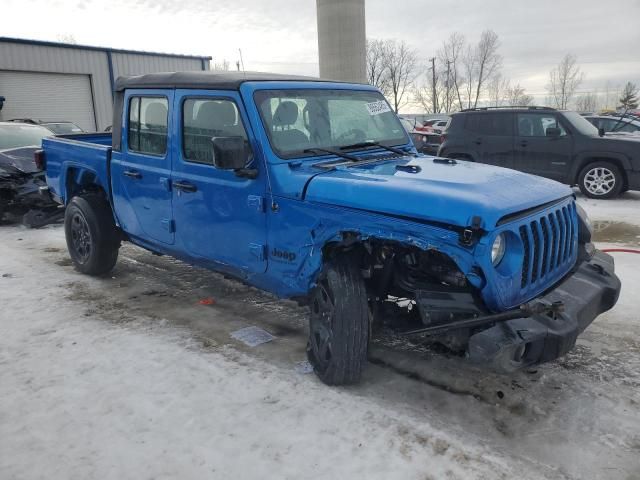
{"x":601,"y":179}
{"x":339,"y":324}
{"x":92,"y":237}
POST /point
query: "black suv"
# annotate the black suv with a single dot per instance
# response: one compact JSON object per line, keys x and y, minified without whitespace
{"x":556,"y":144}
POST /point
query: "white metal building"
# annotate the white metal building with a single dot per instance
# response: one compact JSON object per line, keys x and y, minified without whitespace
{"x":58,"y":81}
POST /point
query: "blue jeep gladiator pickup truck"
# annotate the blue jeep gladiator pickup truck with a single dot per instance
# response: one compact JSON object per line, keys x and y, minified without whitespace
{"x":312,"y":190}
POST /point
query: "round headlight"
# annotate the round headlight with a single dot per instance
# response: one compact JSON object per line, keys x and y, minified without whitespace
{"x":585,"y":227}
{"x":497,"y":249}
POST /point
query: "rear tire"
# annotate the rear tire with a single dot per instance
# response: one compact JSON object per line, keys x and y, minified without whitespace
{"x":601,"y":180}
{"x":339,"y":324}
{"x":92,"y":237}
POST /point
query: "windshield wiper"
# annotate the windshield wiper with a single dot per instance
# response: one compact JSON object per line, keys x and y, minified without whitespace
{"x":619,"y":122}
{"x":332,"y":152}
{"x":375,"y":144}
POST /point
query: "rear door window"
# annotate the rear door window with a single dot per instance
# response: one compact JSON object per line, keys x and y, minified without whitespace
{"x":536,"y":124}
{"x":493,"y":124}
{"x":147,"y":129}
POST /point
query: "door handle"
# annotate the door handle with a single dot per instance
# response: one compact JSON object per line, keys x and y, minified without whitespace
{"x":524,"y":143}
{"x":132,"y":174}
{"x":478,"y":141}
{"x":185,"y":187}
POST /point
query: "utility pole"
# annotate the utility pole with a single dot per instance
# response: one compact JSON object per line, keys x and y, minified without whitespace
{"x":433,"y":85}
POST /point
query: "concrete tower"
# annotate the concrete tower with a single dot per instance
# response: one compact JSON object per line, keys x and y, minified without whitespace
{"x":342,"y":40}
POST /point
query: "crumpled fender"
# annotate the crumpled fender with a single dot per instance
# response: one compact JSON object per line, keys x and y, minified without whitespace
{"x":297,"y":262}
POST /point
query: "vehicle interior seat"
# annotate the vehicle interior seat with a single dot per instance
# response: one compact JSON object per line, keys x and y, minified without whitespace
{"x":214,"y":118}
{"x":153,"y":132}
{"x":285,"y":137}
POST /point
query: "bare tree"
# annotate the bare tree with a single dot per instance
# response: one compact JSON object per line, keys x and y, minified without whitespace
{"x":377,"y":71}
{"x":480,"y":64}
{"x":402,"y":65}
{"x":221,"y":66}
{"x":423,"y":95}
{"x":517,"y":97}
{"x":488,"y":60}
{"x":587,"y":102}
{"x":450,"y":56}
{"x":564,"y":80}
{"x":629,"y":97}
{"x":497,"y":89}
{"x":66,"y":38}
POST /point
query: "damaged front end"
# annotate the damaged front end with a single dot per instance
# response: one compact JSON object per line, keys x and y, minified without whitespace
{"x":558,"y":284}
{"x":24,"y":194}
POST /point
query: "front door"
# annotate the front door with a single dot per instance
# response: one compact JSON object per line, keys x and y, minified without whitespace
{"x":142,"y":169}
{"x":219,"y":216}
{"x":542,"y":145}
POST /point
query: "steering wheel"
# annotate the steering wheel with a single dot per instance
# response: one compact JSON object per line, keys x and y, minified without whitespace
{"x":355,"y":135}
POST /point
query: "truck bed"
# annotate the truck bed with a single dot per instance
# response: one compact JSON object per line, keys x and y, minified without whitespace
{"x":84,"y":156}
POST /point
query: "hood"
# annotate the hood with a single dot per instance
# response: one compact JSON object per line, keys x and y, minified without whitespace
{"x":634,"y":137}
{"x":614,"y":142}
{"x":441,"y":192}
{"x":20,"y":158}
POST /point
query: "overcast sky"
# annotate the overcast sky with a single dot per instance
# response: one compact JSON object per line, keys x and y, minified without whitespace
{"x":281,"y":35}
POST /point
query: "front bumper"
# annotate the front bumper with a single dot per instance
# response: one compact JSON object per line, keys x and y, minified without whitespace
{"x":589,"y":290}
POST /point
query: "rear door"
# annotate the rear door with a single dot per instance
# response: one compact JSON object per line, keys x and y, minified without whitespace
{"x":490,"y":136}
{"x":538,"y":153}
{"x":141,"y":171}
{"x":219,"y":216}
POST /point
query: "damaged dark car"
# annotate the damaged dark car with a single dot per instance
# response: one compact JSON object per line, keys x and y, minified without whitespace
{"x":20,"y":177}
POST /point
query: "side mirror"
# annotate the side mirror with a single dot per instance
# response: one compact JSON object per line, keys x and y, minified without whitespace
{"x":229,"y":153}
{"x":553,"y":132}
{"x":601,"y":131}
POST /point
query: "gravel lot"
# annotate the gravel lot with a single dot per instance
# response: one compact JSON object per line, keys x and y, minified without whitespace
{"x":129,"y":376}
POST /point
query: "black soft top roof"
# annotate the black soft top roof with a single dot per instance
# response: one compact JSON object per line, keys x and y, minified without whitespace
{"x":207,"y":79}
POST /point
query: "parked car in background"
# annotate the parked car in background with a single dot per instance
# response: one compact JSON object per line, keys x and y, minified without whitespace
{"x":311,"y":190}
{"x":613,"y":124}
{"x":62,"y":127}
{"x":408,"y":124}
{"x":20,"y":177}
{"x":560,"y":145}
{"x":431,"y":125}
{"x":439,"y":126}
{"x":426,"y":142}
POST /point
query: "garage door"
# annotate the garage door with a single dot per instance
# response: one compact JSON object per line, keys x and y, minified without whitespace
{"x":47,"y":96}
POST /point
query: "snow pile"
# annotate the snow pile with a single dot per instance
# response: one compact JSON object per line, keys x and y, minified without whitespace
{"x":87,"y":398}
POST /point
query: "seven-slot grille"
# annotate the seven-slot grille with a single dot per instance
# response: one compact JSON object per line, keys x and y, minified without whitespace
{"x":548,"y":243}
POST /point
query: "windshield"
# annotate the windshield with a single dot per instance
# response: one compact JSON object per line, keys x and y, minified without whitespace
{"x":299,"y":120}
{"x":14,"y":136}
{"x":581,"y":124}
{"x":63,"y":128}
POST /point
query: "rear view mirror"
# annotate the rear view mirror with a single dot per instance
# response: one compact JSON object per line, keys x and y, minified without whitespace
{"x":601,"y":131}
{"x":553,"y":132}
{"x":229,"y":153}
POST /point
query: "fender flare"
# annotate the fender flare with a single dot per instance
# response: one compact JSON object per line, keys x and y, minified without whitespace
{"x":585,"y":158}
{"x":313,"y":261}
{"x":77,"y":177}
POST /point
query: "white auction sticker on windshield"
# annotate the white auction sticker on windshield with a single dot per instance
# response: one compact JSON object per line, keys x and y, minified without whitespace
{"x":376,"y":108}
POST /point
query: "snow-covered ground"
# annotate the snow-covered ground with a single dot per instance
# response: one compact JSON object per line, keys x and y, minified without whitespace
{"x":130,"y":377}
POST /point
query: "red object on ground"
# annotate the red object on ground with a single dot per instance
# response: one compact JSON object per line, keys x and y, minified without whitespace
{"x":207,"y":301}
{"x":620,"y":250}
